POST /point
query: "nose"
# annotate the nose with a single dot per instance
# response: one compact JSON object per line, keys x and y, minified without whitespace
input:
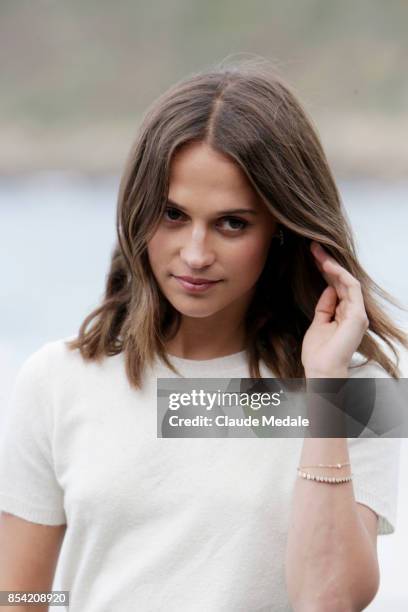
{"x":196,"y":252}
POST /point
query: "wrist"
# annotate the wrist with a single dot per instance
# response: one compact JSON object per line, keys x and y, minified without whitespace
{"x":341,"y":373}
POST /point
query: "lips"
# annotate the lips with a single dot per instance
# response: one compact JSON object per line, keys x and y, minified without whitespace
{"x":195,"y":285}
{"x":197,"y":281}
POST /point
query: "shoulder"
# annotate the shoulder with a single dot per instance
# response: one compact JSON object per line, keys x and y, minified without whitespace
{"x":49,"y":356}
{"x":33,"y":387}
{"x":53,"y":362}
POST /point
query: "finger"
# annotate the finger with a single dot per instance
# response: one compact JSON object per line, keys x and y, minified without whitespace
{"x":326,"y":306}
{"x":347,"y":287}
{"x":345,"y":283}
{"x":332,"y":280}
{"x":322,"y":257}
{"x":334,"y":274}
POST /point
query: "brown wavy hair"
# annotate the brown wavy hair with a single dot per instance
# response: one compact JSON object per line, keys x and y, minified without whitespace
{"x":245,"y":111}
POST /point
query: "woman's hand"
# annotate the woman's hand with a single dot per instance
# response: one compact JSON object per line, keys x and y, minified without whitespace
{"x":339,"y":324}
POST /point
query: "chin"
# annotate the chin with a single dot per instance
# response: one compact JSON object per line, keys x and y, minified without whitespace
{"x":196,"y":313}
{"x":199,"y":311}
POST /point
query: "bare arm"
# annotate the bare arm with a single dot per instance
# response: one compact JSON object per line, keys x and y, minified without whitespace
{"x":331,"y":557}
{"x":28,"y":556}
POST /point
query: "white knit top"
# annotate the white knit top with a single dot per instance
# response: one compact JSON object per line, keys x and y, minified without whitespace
{"x":160,"y":524}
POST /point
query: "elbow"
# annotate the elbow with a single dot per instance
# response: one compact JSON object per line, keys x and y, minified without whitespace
{"x":354,"y":599}
{"x":366,"y":591}
{"x":336,"y":604}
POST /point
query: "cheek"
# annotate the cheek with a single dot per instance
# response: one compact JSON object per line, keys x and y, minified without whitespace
{"x":156,"y":248}
{"x":251,"y":256}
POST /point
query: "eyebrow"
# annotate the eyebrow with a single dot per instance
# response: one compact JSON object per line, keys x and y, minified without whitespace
{"x":220,"y":212}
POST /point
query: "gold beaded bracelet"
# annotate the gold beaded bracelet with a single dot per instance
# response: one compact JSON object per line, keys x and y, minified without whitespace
{"x":329,"y":479}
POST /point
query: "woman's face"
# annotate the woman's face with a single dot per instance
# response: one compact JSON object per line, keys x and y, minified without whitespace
{"x":203,"y":235}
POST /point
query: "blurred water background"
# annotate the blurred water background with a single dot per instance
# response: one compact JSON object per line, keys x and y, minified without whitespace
{"x":76,"y":78}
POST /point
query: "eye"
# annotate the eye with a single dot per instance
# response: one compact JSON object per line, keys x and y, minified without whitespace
{"x":173,"y":215}
{"x":234,"y":221}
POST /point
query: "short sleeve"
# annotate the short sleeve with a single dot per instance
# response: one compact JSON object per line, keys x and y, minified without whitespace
{"x":375,"y":464}
{"x":28,"y":485}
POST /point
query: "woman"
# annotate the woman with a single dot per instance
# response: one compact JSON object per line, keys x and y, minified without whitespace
{"x":234,"y":259}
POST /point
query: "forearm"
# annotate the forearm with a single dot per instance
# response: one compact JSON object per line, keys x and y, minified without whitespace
{"x":330,"y":560}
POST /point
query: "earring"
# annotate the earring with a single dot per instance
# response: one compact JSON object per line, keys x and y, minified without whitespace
{"x":280,"y":236}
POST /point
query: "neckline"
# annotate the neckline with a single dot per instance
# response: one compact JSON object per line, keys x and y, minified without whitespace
{"x":205,"y":366}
